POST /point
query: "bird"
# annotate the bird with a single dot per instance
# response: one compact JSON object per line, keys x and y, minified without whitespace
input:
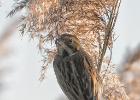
{"x":74,"y":69}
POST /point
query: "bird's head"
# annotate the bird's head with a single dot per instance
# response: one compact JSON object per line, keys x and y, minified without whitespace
{"x":67,"y":44}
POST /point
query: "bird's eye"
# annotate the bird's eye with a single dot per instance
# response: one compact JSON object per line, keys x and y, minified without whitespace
{"x":70,"y":40}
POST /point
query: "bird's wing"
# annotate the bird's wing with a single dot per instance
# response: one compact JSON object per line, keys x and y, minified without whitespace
{"x":80,"y":65}
{"x":96,"y":79}
{"x":61,"y":74}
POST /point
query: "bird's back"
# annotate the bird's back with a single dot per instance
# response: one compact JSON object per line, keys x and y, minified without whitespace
{"x":73,"y":75}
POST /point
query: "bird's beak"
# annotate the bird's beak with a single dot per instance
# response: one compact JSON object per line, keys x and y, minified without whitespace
{"x":58,"y":42}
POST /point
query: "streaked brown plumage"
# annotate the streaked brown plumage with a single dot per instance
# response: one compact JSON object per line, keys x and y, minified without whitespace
{"x":74,"y":69}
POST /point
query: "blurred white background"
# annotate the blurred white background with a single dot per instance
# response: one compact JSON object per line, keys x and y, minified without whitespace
{"x":21,"y":82}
